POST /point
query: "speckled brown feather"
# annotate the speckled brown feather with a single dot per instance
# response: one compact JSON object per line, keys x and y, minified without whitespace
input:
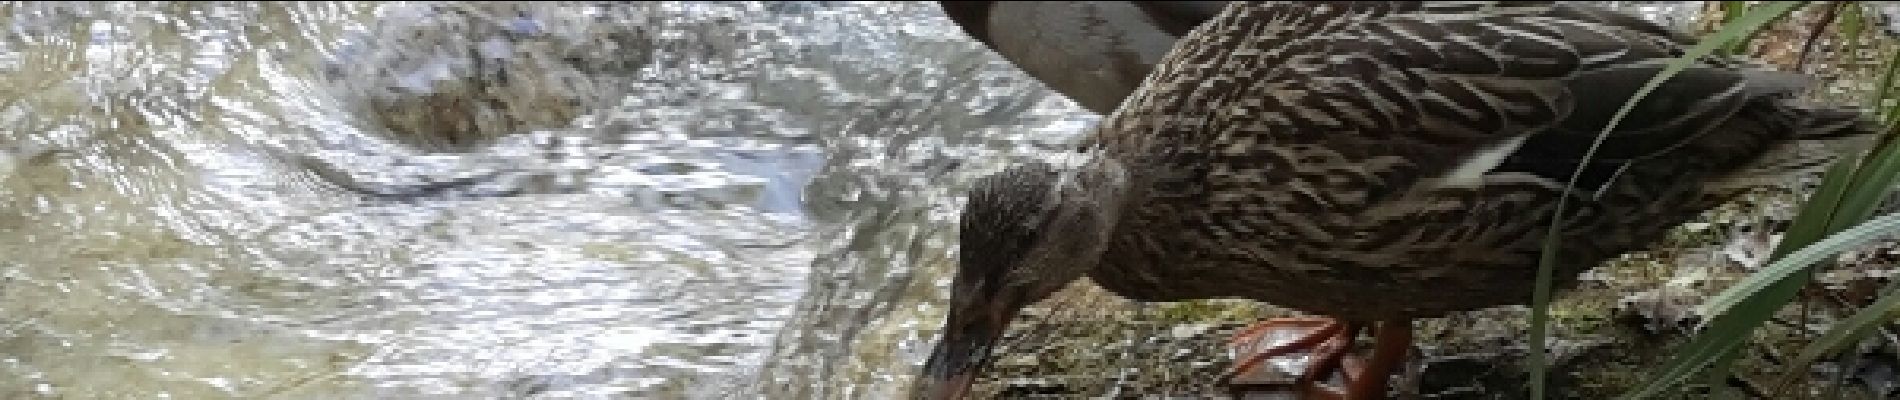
{"x":1298,"y":153}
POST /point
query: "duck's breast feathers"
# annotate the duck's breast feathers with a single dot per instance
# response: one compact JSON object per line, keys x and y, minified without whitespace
{"x":1433,"y":83}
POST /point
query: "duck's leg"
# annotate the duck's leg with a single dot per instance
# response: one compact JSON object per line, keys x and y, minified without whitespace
{"x":1327,"y":341}
{"x":1330,"y":342}
{"x":1392,"y":342}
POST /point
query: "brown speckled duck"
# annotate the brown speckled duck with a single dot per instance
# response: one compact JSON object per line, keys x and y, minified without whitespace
{"x":1374,"y":163}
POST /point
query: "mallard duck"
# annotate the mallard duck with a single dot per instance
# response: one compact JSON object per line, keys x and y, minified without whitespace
{"x":1375,"y":163}
{"x":1093,"y":52}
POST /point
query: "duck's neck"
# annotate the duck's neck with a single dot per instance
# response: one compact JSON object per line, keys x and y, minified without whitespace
{"x":1088,"y":202}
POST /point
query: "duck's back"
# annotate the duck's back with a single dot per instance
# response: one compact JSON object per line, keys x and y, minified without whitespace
{"x":1400,"y":159}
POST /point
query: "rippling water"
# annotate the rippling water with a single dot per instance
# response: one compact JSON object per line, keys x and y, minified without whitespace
{"x":412,"y":200}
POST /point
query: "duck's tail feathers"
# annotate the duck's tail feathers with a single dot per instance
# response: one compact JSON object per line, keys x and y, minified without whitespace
{"x":1819,"y":137}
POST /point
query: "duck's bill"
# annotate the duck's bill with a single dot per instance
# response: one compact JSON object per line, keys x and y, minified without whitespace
{"x":957,"y":359}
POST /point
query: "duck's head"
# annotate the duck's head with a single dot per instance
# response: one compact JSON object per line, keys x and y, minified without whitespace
{"x":1026,"y":232}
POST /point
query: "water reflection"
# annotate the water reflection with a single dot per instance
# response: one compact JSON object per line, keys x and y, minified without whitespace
{"x":351,"y":200}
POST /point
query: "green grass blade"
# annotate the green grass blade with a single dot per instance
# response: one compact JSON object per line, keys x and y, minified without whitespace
{"x":1814,"y":220}
{"x":1852,"y":23}
{"x":1885,"y":87}
{"x":1716,"y":377}
{"x":1799,"y":260}
{"x":1540,"y":306}
{"x":1850,"y":193}
{"x":1890,"y":115}
{"x":1717,"y":344}
{"x":1871,"y":185}
{"x":1869,"y":189}
{"x":1845,"y":195}
{"x":1734,"y":11}
{"x":1817,"y":213}
{"x":1728,"y":331}
{"x":1835,"y":205}
{"x":1845,"y":333}
{"x":1732,"y":30}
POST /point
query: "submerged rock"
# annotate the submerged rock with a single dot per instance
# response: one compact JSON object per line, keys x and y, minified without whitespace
{"x":456,"y":76}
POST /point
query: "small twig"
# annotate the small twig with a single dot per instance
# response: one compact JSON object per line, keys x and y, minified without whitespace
{"x":1773,"y":355}
{"x":1851,"y":358}
{"x":1807,"y":305}
{"x":1792,"y":325}
{"x":1749,"y":387}
{"x":1814,"y":35}
{"x":1885,"y":330}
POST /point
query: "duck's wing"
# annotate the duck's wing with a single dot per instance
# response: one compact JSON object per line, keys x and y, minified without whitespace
{"x":1382,"y":96}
